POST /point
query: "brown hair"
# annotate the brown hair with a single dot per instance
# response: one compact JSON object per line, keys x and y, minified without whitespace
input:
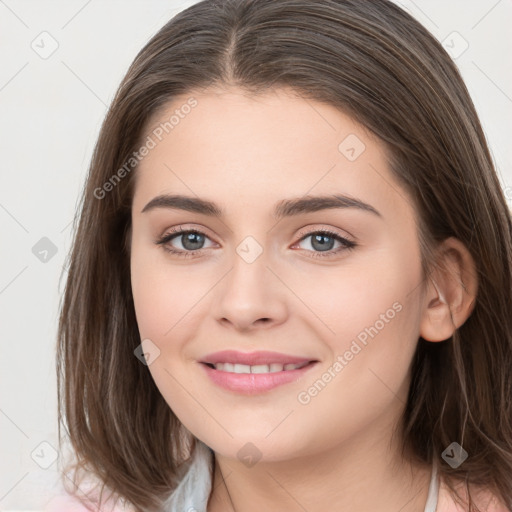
{"x":376,"y":63}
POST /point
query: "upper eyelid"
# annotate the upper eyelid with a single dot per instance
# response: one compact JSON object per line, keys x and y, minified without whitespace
{"x":335,"y":231}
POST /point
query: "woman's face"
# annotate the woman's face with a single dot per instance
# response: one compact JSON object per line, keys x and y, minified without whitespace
{"x":253,"y":280}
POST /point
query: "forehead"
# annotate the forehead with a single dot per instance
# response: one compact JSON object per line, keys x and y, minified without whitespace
{"x":227,"y":144}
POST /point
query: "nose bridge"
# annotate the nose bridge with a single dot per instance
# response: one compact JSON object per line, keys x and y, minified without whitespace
{"x":249,"y":274}
{"x":250,"y":291}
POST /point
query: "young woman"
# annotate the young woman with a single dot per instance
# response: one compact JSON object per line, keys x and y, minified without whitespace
{"x":290,"y":282}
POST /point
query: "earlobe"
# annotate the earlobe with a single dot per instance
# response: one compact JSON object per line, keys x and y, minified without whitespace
{"x":451,"y":292}
{"x":436,"y":324}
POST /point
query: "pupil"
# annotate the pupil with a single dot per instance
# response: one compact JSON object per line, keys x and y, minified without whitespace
{"x":190,"y":241}
{"x":321,"y":240}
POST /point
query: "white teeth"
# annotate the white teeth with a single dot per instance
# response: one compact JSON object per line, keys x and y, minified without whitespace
{"x":259,"y":368}
{"x":241,"y":368}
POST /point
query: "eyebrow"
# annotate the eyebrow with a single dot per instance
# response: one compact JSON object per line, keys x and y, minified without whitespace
{"x":284,"y":208}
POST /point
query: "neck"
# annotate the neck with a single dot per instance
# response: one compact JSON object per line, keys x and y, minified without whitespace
{"x":363,"y":474}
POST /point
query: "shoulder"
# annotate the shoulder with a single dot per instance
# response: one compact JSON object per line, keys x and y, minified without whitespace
{"x":65,"y":503}
{"x":68,"y":503}
{"x":86,"y":499}
{"x":481,"y":496}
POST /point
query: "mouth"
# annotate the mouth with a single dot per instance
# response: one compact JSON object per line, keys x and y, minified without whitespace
{"x":258,"y":368}
{"x":255,"y":379}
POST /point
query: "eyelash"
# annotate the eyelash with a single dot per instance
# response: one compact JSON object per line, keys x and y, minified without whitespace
{"x":175,"y":232}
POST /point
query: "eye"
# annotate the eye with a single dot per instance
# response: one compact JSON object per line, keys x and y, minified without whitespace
{"x":322,"y":242}
{"x":191,"y":241}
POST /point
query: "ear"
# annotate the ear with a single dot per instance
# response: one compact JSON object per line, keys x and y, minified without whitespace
{"x":451,"y":291}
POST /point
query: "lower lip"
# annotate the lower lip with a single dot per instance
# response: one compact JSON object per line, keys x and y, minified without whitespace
{"x":253,"y":383}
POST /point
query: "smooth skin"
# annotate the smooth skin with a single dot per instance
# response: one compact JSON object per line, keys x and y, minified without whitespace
{"x":246,"y":153}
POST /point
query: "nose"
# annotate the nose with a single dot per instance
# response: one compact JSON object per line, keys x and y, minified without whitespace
{"x":251,"y":296}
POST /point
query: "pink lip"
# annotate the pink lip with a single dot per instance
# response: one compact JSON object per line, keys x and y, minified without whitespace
{"x":254,"y":383}
{"x":253,"y":358}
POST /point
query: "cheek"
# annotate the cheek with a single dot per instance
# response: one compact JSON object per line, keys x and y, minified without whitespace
{"x":367,"y":376}
{"x":167,"y":306}
{"x":372,"y":317}
{"x":351,"y":298}
{"x":165,"y":296}
{"x":150,"y":293}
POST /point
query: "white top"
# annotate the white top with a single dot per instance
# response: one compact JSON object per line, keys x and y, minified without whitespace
{"x":193,"y":492}
{"x":433,"y":491}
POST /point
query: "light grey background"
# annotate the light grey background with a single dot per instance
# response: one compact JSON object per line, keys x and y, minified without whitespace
{"x":51,"y":109}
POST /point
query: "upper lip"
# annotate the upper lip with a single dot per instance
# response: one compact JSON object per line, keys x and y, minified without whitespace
{"x":253,"y":358}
